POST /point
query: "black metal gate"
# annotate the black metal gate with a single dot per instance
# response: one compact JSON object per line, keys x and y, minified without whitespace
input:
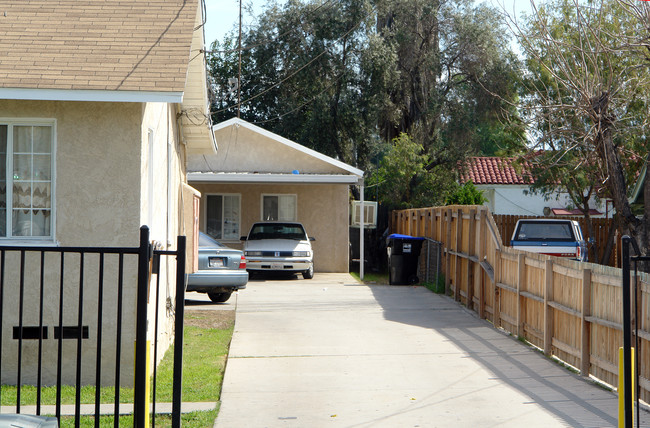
{"x":68,"y":310}
{"x":630,"y":305}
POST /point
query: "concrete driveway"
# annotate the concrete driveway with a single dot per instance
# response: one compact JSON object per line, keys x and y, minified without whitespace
{"x":333,"y":352}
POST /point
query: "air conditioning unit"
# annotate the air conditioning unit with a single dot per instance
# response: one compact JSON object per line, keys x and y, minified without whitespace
{"x":370,"y":214}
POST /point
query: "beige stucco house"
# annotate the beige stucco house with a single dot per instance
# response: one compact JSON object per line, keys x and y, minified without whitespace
{"x":100,"y":102}
{"x":258,"y":175}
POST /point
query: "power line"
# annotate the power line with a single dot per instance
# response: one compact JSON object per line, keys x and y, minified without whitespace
{"x":301,"y":105}
{"x":326,"y":50}
{"x":268,"y":40}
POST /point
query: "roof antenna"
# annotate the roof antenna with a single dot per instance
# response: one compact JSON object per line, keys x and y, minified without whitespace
{"x":239,"y":73}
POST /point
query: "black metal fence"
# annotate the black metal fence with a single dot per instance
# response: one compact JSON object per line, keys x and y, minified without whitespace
{"x":68,"y":316}
{"x":430,"y":263}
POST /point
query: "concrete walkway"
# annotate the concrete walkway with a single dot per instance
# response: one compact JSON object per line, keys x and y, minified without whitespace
{"x":332,"y":352}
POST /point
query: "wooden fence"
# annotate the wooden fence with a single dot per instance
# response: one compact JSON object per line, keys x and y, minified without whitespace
{"x":569,"y":309}
{"x":602,"y":227}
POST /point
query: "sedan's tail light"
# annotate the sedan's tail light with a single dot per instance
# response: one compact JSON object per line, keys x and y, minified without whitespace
{"x":242,"y":263}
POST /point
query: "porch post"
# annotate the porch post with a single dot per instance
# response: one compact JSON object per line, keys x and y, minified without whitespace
{"x":361,"y":234}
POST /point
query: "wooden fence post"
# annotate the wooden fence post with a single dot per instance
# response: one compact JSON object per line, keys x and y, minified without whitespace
{"x":548,"y":310}
{"x":471,"y":265}
{"x":447,"y":254}
{"x":585,"y":343}
{"x":459,"y":248}
{"x":496,"y":309}
{"x":482,"y":236}
{"x":521,"y":267}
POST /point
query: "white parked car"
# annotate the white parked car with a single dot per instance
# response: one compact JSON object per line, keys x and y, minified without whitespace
{"x":279,"y":246}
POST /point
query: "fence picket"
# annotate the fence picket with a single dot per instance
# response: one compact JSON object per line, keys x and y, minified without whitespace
{"x":526,"y":292}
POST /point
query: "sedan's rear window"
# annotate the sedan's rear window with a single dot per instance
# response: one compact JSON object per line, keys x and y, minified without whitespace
{"x":208,"y":241}
{"x":277,"y":231}
{"x":545,"y":231}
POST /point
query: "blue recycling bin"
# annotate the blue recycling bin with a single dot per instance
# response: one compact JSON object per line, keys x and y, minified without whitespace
{"x":403,"y":256}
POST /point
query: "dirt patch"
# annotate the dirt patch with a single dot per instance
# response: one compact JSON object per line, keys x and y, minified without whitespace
{"x":221,"y":320}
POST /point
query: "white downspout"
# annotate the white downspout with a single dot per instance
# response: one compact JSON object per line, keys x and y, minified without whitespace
{"x":361,"y":226}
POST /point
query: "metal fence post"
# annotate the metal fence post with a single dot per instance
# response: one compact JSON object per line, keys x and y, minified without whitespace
{"x":140,"y":384}
{"x":178,"y":327}
{"x":627,"y":340}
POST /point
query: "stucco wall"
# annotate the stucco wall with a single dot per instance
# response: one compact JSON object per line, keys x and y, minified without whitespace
{"x":323,"y":210}
{"x":517,"y":200}
{"x":97,"y":203}
{"x":244,"y":150}
{"x":162,"y":175}
{"x":97,"y":168}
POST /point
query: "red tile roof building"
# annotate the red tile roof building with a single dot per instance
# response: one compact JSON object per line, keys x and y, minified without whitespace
{"x":496,"y":170}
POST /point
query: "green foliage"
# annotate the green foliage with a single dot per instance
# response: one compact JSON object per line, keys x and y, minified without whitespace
{"x":346,"y":78}
{"x":302,"y":76}
{"x":204,"y":358}
{"x":467,"y":194}
{"x":403,"y":180}
{"x":371,"y":277}
{"x":438,"y":286}
{"x":586,"y":84}
{"x":456,"y":78}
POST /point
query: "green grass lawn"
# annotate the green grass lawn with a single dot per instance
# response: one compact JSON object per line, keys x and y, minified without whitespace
{"x":372,"y":277}
{"x":207,"y":336}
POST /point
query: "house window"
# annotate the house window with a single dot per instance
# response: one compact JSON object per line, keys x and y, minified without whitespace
{"x":279,"y":207}
{"x":223,"y":216}
{"x":26,"y":185}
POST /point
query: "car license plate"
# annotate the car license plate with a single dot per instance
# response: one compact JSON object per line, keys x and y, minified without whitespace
{"x":276,"y":265}
{"x":215,"y":262}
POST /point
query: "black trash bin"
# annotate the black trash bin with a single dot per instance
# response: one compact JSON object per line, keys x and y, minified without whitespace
{"x":403,"y":254}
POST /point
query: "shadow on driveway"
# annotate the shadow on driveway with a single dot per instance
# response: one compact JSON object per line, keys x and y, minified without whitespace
{"x":574,"y":399}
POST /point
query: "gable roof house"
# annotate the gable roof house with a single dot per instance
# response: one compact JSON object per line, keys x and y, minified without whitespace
{"x":100,"y":101}
{"x":507,"y":189}
{"x":258,"y":176}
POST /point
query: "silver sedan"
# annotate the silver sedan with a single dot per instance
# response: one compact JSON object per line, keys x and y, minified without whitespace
{"x":222,"y":270}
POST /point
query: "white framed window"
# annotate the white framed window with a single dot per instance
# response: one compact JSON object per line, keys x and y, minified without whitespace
{"x":223,"y":216}
{"x":279,"y":207}
{"x":27,"y":179}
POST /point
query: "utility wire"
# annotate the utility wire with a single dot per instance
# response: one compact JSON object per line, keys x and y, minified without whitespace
{"x":269,"y":40}
{"x":301,"y":105}
{"x":326,"y":50}
{"x":336,"y":79}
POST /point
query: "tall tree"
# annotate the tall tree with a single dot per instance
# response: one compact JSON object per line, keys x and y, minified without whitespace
{"x":454,"y":70}
{"x":302,"y":77}
{"x":327,"y":75}
{"x":589,"y":99}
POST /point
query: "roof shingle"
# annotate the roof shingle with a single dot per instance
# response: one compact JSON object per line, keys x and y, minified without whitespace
{"x":113,"y":45}
{"x":495,"y":170}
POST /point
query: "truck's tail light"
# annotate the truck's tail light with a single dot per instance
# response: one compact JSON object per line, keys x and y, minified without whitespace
{"x":242,"y":263}
{"x":578,"y":252}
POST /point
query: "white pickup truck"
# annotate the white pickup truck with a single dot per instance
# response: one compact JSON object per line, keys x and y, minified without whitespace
{"x":561,"y":238}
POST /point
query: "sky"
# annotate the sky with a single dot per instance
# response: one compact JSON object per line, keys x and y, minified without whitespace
{"x":223,"y":15}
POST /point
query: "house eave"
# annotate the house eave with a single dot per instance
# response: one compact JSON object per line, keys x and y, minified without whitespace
{"x":239,"y":122}
{"x":90,"y":95}
{"x":250,"y":178}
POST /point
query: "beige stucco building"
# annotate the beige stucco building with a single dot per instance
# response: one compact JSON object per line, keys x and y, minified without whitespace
{"x":98,"y":110}
{"x":258,"y":175}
